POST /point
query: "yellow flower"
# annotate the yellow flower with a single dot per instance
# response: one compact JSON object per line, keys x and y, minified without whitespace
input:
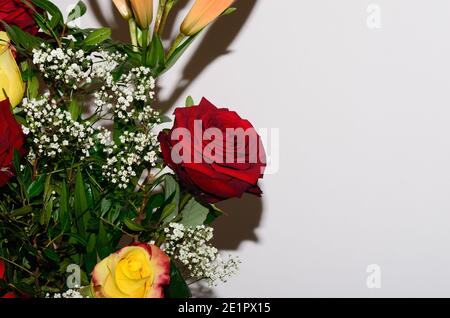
{"x":143,"y":12}
{"x":11,"y":81}
{"x":137,"y":271}
{"x":203,"y":13}
{"x":124,"y":9}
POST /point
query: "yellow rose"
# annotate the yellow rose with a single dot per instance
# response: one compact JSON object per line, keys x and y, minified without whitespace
{"x":10,"y":78}
{"x":137,"y":271}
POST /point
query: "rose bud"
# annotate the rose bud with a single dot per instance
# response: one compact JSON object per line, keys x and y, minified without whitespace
{"x":137,"y":271}
{"x":143,"y":12}
{"x":203,"y":13}
{"x":124,"y":9}
{"x":10,"y":77}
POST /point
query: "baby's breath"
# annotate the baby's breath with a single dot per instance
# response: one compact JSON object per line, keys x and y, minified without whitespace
{"x":190,"y":247}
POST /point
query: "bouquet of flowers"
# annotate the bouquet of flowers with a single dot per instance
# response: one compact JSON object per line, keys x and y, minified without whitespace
{"x":97,"y":199}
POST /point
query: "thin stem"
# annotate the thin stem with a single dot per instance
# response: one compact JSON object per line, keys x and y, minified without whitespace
{"x":159,"y":15}
{"x":17,"y":265}
{"x":175,"y":44}
{"x":167,"y":8}
{"x":116,"y":227}
{"x":144,"y":41}
{"x":133,"y":34}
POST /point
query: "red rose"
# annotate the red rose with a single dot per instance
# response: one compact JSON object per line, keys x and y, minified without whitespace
{"x":16,"y":12}
{"x":2,"y":270}
{"x":11,"y":137}
{"x":10,"y":295}
{"x":216,"y":154}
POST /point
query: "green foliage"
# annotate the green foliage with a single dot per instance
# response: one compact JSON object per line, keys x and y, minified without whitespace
{"x":78,"y":11}
{"x":178,"y":287}
{"x":97,"y":37}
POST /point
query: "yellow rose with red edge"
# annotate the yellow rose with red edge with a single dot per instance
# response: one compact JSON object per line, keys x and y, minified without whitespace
{"x":11,"y":83}
{"x":137,"y":271}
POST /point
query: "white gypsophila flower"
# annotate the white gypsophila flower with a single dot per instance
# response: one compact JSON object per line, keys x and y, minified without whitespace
{"x":190,"y":247}
{"x":119,"y":96}
{"x":53,"y":130}
{"x":74,"y":69}
{"x":71,"y":293}
{"x":132,"y":150}
{"x":124,"y":100}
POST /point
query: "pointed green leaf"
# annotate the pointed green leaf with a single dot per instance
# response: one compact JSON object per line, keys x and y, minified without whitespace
{"x":194,"y":214}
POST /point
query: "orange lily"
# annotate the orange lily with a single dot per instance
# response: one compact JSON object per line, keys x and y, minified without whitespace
{"x":203,"y":13}
{"x":124,"y":9}
{"x":143,"y":12}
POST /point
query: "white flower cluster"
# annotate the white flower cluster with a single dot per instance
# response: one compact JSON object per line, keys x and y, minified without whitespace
{"x":74,"y":68}
{"x":190,"y":247}
{"x":71,"y":293}
{"x":133,"y":150}
{"x":53,"y":130}
{"x":124,"y":100}
{"x":119,"y":96}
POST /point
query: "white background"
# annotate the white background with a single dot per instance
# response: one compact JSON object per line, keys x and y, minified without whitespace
{"x":364,"y":119}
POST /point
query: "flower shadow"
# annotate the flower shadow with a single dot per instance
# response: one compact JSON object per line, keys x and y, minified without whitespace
{"x":119,"y":26}
{"x":214,"y":44}
{"x":239,"y":224}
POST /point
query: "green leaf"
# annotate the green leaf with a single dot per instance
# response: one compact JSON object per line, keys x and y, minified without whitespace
{"x":133,"y":226}
{"x":169,"y":212}
{"x":74,"y":109}
{"x":105,"y":206}
{"x":172,"y":59}
{"x":47,"y":211}
{"x":97,"y":36}
{"x":194,"y":214}
{"x":76,"y":238}
{"x":80,"y":204}
{"x":36,"y":187}
{"x":214,"y":213}
{"x":190,"y":101}
{"x":52,"y":255}
{"x":91,"y":255}
{"x":102,"y":241}
{"x":165,"y":119}
{"x":33,"y":87}
{"x":171,"y":188}
{"x":20,"y":38}
{"x":22,"y":211}
{"x":156,"y":56}
{"x":16,"y":160}
{"x":64,"y":207}
{"x":178,"y":287}
{"x":229,"y":11}
{"x":78,"y":11}
{"x":53,"y":10}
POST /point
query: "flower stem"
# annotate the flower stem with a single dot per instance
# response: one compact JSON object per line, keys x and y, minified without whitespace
{"x":133,"y":34}
{"x":144,"y":41}
{"x":17,"y":265}
{"x":162,"y":5}
{"x":167,"y":8}
{"x":175,"y":44}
